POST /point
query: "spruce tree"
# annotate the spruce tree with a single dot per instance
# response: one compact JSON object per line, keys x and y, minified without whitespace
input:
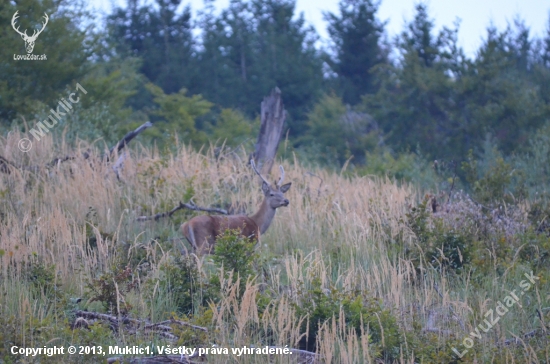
{"x":356,"y":34}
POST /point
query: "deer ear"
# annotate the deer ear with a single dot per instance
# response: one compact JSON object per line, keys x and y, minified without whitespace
{"x":285,"y":188}
{"x":265,"y":188}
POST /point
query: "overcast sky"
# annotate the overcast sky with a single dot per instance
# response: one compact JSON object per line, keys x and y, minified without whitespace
{"x":475,"y":15}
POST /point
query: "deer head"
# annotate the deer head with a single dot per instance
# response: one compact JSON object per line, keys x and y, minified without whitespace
{"x":29,"y":41}
{"x":273,"y":194}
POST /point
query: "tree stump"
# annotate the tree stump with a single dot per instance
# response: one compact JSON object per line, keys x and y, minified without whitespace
{"x":273,"y":117}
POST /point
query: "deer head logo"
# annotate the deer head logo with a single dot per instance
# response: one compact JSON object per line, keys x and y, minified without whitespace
{"x":29,"y":41}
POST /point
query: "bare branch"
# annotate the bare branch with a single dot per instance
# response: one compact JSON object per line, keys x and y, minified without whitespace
{"x":191,"y":206}
{"x":320,"y":183}
{"x":183,"y":323}
{"x":96,"y":315}
{"x":128,"y":137}
{"x":160,"y":328}
{"x":56,"y":161}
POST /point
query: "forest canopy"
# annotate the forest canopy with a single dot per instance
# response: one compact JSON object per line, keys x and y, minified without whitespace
{"x":362,"y":96}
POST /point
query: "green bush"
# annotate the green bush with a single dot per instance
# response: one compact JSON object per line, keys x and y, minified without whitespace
{"x":236,"y":254}
{"x":437,"y":246}
{"x":497,"y":183}
{"x":189,"y":287}
{"x":361,"y":312}
{"x":111,"y":287}
{"x":407,"y":166}
{"x":43,"y":280}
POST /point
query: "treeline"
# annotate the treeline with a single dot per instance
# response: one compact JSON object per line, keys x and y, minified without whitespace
{"x":203,"y":78}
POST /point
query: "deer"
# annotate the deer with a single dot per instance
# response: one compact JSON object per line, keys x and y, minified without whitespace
{"x":29,"y":41}
{"x":202,"y":231}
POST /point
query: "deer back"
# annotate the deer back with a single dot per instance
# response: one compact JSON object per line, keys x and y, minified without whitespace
{"x":246,"y":226}
{"x":202,"y":231}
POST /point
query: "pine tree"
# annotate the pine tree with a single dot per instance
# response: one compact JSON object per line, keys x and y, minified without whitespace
{"x":356,"y":35}
{"x":419,"y":36}
{"x":227,"y":55}
{"x":161,"y":38}
{"x":286,"y":58}
{"x":253,"y":47}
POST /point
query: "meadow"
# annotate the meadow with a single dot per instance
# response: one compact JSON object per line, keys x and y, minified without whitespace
{"x":354,"y":270}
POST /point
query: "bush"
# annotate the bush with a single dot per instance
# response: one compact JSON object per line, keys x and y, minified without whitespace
{"x":409,"y":167}
{"x":360,"y":311}
{"x":111,"y":287}
{"x":438,"y":244}
{"x":236,"y":254}
{"x":186,"y":283}
{"x":498,"y":183}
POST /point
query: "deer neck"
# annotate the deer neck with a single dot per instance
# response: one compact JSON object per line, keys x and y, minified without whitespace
{"x":264,"y":216}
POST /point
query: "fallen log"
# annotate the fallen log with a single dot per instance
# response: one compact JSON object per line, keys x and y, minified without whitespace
{"x":160,"y":328}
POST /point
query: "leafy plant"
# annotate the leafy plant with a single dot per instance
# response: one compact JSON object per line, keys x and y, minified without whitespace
{"x":236,"y":254}
{"x":111,"y":287}
{"x":436,"y":245}
{"x":358,"y":309}
{"x":187,"y":285}
{"x":495,"y":184}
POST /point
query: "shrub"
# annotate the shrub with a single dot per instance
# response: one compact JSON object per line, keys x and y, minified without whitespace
{"x":236,"y":254}
{"x":360,"y":311}
{"x":186,"y":283}
{"x":438,"y":244}
{"x":111,"y":287}
{"x":43,"y":279}
{"x":496,"y":183}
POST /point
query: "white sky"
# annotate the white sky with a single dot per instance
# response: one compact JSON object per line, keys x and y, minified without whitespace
{"x":475,"y":15}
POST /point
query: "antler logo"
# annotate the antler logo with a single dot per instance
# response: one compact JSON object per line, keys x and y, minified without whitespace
{"x":29,"y":41}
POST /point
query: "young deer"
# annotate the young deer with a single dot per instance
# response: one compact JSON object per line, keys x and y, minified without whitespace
{"x":202,"y":231}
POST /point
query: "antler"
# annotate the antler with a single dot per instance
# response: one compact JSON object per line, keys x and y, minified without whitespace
{"x":282,"y":176}
{"x":13,"y":19}
{"x":34,"y":33}
{"x":255,"y":170}
{"x":25,"y":35}
{"x":43,"y":24}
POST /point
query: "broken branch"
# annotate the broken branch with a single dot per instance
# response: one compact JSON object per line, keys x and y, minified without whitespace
{"x":191,"y":206}
{"x":128,"y":137}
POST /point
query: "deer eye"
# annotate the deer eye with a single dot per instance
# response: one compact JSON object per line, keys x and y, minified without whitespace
{"x":271,"y":194}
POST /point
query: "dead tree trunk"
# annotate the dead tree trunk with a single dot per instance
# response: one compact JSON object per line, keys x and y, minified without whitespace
{"x":273,"y":117}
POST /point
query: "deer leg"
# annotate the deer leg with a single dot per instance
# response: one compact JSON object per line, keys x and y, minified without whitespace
{"x":190,"y":236}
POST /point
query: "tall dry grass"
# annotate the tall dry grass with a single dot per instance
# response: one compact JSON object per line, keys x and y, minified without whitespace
{"x":338,"y":229}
